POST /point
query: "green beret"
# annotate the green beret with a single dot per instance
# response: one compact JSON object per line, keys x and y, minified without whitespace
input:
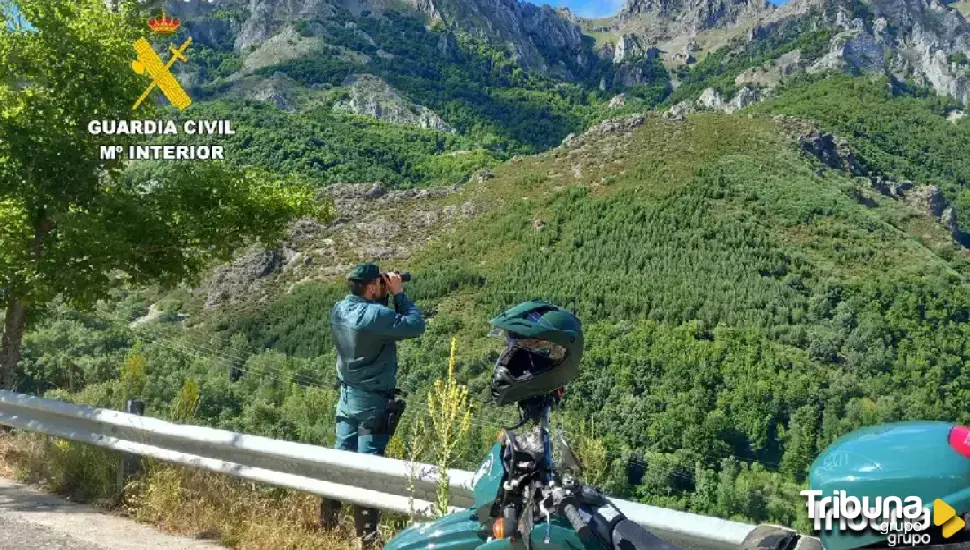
{"x":364,"y":273}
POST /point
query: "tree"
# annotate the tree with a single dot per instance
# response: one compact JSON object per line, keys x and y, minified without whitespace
{"x":72,"y":225}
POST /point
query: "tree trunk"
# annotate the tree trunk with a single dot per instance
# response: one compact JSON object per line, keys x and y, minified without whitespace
{"x":13,"y":336}
{"x":15,"y":323}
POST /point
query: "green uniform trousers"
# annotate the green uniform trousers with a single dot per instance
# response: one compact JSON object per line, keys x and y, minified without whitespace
{"x":359,"y":417}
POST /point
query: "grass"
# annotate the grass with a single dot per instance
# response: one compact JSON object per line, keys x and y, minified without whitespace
{"x":82,"y":472}
{"x":603,"y":37}
{"x":175,"y":499}
{"x":193,"y":502}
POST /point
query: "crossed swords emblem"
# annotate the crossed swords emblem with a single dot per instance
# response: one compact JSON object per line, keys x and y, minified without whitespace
{"x":149,"y":63}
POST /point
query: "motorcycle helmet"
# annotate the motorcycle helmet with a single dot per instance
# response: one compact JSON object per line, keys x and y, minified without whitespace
{"x":543,"y":348}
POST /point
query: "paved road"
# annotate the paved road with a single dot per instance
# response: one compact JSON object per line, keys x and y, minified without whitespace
{"x":30,"y":519}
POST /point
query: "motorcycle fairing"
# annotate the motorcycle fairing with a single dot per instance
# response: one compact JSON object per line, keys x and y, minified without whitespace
{"x":899,"y":459}
{"x":458,"y":531}
{"x":487,"y":483}
{"x":561,"y":537}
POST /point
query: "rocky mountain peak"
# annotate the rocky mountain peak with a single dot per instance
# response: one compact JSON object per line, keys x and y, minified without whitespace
{"x":541,"y":38}
{"x":369,"y":95}
{"x":544,"y":38}
{"x":691,"y":16}
{"x":920,"y":40}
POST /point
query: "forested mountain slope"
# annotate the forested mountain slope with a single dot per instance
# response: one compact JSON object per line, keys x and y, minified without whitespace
{"x":753,"y":284}
{"x":742,"y":299}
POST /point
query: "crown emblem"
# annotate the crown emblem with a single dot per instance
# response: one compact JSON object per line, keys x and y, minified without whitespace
{"x":164,"y":24}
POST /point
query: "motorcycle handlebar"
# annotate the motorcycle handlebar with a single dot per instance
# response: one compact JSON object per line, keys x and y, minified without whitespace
{"x":627,"y":534}
{"x":619,"y":533}
{"x":577,"y":521}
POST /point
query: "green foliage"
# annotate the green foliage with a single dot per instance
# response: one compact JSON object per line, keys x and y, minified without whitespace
{"x":744,"y":490}
{"x":657,"y":88}
{"x":214,"y":64}
{"x":959,"y":58}
{"x":326,"y":147}
{"x":299,"y":325}
{"x":899,"y":131}
{"x":133,"y":375}
{"x":315,"y":70}
{"x":71,"y":352}
{"x":187,"y":402}
{"x":50,"y":89}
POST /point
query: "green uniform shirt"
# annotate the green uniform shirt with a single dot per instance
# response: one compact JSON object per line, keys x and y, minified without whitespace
{"x":365,"y":334}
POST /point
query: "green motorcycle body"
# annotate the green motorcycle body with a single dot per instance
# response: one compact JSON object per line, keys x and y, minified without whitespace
{"x":901,"y":459}
{"x":465,"y":531}
{"x":458,"y":531}
{"x":487,"y":483}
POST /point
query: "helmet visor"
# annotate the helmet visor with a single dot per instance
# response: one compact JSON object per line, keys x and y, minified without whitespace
{"x":543,"y":348}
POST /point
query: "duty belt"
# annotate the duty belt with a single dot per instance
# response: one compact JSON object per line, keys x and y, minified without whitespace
{"x":390,"y":394}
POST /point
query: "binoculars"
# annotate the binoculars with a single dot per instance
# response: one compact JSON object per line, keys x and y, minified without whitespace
{"x":405,"y":277}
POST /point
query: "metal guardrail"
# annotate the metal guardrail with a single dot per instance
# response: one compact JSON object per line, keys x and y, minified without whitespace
{"x":367,"y":480}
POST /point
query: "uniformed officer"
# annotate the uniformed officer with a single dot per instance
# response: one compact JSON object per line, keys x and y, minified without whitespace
{"x":365,"y":333}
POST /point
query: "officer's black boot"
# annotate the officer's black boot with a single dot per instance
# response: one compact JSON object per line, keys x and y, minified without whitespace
{"x":329,"y":511}
{"x":365,"y":522}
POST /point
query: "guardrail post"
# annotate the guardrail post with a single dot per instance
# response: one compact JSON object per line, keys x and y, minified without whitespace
{"x":329,"y":513}
{"x":130,"y":463}
{"x":775,"y":537}
{"x":635,"y":470}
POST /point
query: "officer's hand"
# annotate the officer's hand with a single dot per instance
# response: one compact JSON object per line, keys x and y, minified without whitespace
{"x":394,"y":283}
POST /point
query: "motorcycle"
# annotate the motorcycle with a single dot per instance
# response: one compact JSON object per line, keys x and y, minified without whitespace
{"x":926,"y":460}
{"x":524,"y":500}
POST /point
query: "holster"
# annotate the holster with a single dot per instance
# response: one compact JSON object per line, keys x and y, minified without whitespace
{"x":392,"y":414}
{"x":388,"y":420}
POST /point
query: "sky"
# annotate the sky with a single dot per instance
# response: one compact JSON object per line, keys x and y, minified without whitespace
{"x":587,"y":8}
{"x":10,"y":16}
